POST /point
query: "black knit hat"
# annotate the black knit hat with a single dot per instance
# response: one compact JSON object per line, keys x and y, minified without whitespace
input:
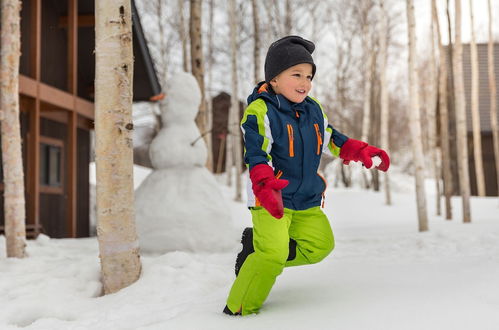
{"x":286,"y":52}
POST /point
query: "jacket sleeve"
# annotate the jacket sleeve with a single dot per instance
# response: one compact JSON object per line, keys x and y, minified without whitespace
{"x":256,"y":134}
{"x":334,"y":138}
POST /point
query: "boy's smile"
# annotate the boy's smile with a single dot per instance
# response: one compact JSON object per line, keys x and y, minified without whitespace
{"x":294,"y":83}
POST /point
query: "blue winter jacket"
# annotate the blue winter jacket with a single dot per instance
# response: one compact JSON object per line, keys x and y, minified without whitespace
{"x":290,"y":137}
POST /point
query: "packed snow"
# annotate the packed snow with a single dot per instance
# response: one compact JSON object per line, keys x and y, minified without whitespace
{"x":383,"y":274}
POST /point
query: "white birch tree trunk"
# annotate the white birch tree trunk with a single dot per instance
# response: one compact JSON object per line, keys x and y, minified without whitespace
{"x":493,"y":101}
{"x":462,"y":138}
{"x":13,"y":175}
{"x":229,"y":154}
{"x":432,"y":120}
{"x":385,"y":111}
{"x":209,"y":99}
{"x":163,"y":48}
{"x":183,"y":36}
{"x":451,"y":90}
{"x":444,"y":117}
{"x":366,"y":115}
{"x":475,"y":114}
{"x":118,"y":243}
{"x":197,"y":68}
{"x":288,"y":20}
{"x":415,"y":121}
{"x":234,"y":102}
{"x":256,"y":39}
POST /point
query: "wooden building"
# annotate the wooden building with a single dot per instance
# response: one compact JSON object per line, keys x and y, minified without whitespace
{"x":221,"y":106}
{"x":56,"y":102}
{"x":485,"y":123}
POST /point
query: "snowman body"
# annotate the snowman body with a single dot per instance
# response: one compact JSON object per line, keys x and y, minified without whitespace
{"x":179,"y":206}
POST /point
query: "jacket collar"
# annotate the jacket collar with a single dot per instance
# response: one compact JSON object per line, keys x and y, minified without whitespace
{"x":262,"y":91}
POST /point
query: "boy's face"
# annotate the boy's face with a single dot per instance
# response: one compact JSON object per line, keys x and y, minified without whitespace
{"x":294,"y":83}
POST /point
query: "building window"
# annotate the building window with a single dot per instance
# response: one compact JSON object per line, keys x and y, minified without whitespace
{"x":51,"y":165}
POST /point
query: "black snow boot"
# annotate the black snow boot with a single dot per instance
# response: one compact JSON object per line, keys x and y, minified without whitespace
{"x":247,"y":241}
{"x":228,"y":312}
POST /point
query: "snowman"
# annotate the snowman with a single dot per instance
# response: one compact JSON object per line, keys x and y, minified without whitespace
{"x":179,"y":206}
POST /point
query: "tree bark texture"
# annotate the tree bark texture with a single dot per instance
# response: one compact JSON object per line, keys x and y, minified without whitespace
{"x":462,"y":138}
{"x":209,"y":100}
{"x":183,"y":36}
{"x":415,"y":121}
{"x":432,"y":119}
{"x":366,"y":116}
{"x":197,"y":60}
{"x":475,"y":110}
{"x":444,"y":116}
{"x":118,"y":242}
{"x":288,"y":21}
{"x":256,"y":40}
{"x":452,"y":107}
{"x":13,"y":175}
{"x":385,"y":111}
{"x":234,"y":101}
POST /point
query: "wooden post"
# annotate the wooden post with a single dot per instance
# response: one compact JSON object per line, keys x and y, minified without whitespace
{"x":72,"y":115}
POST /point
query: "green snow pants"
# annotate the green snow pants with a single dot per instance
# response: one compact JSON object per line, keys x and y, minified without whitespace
{"x":314,"y":241}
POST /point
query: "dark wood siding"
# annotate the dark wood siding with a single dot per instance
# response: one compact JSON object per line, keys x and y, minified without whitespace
{"x":52,"y":215}
{"x":83,"y":187}
{"x":53,"y":206}
{"x":489,"y":167}
{"x":221,"y":105}
{"x":54,"y":45}
{"x":485,"y":123}
{"x":25,"y":63}
{"x":483,"y":84}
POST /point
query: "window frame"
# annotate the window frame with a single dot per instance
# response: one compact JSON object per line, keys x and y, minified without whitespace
{"x":60,"y":144}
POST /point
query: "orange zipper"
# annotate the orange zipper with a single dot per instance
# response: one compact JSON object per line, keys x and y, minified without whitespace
{"x":324,"y":191}
{"x":291,"y":141}
{"x":319,"y":138}
{"x":278,"y":175}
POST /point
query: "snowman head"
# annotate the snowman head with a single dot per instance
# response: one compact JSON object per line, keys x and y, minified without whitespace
{"x":182,"y":97}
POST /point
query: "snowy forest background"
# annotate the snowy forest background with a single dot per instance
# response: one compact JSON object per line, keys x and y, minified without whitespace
{"x":337,"y":29}
{"x":351,"y":81}
{"x":399,"y":262}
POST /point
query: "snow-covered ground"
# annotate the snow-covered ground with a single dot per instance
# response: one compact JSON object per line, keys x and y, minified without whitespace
{"x":383,"y":274}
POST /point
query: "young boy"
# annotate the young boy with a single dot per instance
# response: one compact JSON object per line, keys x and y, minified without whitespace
{"x":285,"y":132}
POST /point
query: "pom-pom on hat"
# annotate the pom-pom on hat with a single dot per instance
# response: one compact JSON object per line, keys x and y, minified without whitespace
{"x":286,"y":52}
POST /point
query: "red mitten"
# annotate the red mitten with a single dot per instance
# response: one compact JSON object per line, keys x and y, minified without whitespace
{"x":268,"y":189}
{"x":360,"y":151}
